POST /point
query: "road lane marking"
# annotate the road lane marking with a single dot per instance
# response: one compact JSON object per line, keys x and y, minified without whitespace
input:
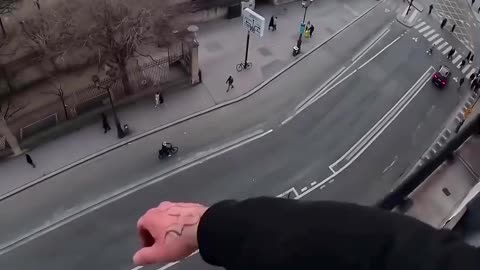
{"x":391,"y":165}
{"x":304,"y":189}
{"x":442,"y":46}
{"x":447,"y":50}
{"x":424,"y":28}
{"x":433,"y":37}
{"x":384,"y":122}
{"x":437,"y":41}
{"x":471,"y":72}
{"x":126,"y":191}
{"x":455,"y":60}
{"x":428,"y":33}
{"x":325,"y":87}
{"x":313,"y":183}
{"x":381,"y":51}
{"x":465,"y":69}
{"x":419,"y":25}
{"x":413,"y":16}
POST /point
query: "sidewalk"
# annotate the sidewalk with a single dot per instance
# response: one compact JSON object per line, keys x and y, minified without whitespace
{"x":222,"y":46}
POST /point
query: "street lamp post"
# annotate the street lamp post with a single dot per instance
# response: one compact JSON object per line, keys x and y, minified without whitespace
{"x":305,"y":5}
{"x":120,"y":131}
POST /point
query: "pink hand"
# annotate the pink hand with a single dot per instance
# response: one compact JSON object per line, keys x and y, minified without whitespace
{"x":168,"y":232}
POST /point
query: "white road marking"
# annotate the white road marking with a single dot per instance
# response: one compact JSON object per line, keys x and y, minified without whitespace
{"x":419,"y":25}
{"x":353,"y":11}
{"x":455,"y":60}
{"x":313,"y":183}
{"x":470,"y":73}
{"x":322,"y":187}
{"x":110,"y":198}
{"x":370,"y":45}
{"x":428,"y":33}
{"x":424,"y":28}
{"x":447,"y":50}
{"x":413,"y":16}
{"x":381,"y":51}
{"x":331,"y":181}
{"x":291,"y":190}
{"x":433,"y":37}
{"x":391,"y":165}
{"x":442,"y":46}
{"x":361,"y":145}
{"x":437,"y":41}
{"x":137,"y":268}
{"x":465,"y":69}
{"x":303,"y":189}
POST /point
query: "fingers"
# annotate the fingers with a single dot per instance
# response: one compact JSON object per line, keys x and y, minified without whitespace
{"x":147,"y":255}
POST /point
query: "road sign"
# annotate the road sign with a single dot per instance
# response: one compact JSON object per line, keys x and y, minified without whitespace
{"x":253,"y":22}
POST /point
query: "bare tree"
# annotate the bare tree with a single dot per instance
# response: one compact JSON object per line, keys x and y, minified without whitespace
{"x":6,"y":7}
{"x":58,"y":91}
{"x":52,"y":32}
{"x":119,"y":28}
{"x":7,"y":110}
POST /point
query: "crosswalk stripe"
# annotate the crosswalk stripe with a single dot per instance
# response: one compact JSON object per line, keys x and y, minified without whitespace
{"x":429,"y":33}
{"x":437,"y":41}
{"x":455,"y":60}
{"x":471,"y":72}
{"x":465,"y":68}
{"x":443,"y":45}
{"x":433,"y":37}
{"x":447,"y":49}
{"x":415,"y":13}
{"x":424,"y":28}
{"x":419,"y":25}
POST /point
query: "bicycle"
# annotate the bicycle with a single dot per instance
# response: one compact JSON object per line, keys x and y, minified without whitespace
{"x":243,"y":66}
{"x":172,"y":150}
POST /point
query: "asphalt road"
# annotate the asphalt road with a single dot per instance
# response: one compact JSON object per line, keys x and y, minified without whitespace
{"x":295,"y":154}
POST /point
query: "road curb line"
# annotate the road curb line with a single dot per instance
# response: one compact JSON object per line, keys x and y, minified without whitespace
{"x":184,"y":119}
{"x":129,"y":189}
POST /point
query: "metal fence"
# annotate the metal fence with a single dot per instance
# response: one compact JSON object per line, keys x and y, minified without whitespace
{"x":90,"y":97}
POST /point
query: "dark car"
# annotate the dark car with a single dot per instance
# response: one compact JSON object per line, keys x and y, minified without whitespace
{"x":440,"y":78}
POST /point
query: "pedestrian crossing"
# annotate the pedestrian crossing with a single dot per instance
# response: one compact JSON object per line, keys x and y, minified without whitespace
{"x":444,"y":47}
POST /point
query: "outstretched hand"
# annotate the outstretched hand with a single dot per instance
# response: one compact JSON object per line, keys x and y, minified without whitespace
{"x":168,"y":232}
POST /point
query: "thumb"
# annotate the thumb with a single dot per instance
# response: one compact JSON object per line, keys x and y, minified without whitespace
{"x":147,"y":255}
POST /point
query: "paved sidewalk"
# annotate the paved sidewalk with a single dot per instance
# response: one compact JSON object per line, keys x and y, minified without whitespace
{"x":222,"y":46}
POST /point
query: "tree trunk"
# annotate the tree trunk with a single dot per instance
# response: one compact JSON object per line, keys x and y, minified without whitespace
{"x":11,"y":139}
{"x":3,"y":28}
{"x":124,"y":76}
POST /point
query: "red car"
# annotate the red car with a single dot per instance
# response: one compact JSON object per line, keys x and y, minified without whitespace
{"x":440,"y":78}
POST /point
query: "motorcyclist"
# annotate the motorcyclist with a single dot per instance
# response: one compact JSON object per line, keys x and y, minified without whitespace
{"x":165,"y":150}
{"x":430,"y":51}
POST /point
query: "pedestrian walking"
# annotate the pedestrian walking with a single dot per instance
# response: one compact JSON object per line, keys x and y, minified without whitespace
{"x":472,"y":77}
{"x":471,"y":58}
{"x":312,"y":28}
{"x":230,"y":83}
{"x":473,"y":1}
{"x":105,"y":124}
{"x":478,"y":10}
{"x":30,"y":160}
{"x":271,"y":24}
{"x":444,"y":22}
{"x":275,"y":23}
{"x":474,"y":83}
{"x":453,"y":27}
{"x":157,"y":99}
{"x":160,"y":97}
{"x":460,"y":83}
{"x":430,"y":8}
{"x":469,"y":55}
{"x":462,"y":64}
{"x":451,"y":53}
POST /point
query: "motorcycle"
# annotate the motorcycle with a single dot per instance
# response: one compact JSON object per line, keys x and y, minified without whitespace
{"x":169,"y":151}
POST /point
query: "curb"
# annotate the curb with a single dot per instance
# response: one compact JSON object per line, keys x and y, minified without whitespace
{"x":184,"y":119}
{"x":402,"y":19}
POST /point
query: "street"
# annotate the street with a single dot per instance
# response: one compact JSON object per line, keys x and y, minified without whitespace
{"x":344,"y":124}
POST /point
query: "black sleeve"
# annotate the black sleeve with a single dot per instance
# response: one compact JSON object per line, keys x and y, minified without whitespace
{"x":271,"y":233}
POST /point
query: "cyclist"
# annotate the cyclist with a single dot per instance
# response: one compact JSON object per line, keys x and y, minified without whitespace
{"x":166,"y":149}
{"x":430,"y":51}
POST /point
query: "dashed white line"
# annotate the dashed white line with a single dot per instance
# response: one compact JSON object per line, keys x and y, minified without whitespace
{"x":303,"y":189}
{"x":437,"y":41}
{"x":313,"y":183}
{"x":331,"y":181}
{"x":442,"y":46}
{"x":465,"y":69}
{"x":447,"y":49}
{"x":455,"y":60}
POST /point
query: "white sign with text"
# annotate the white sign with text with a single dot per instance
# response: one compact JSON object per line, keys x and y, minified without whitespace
{"x":253,"y":22}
